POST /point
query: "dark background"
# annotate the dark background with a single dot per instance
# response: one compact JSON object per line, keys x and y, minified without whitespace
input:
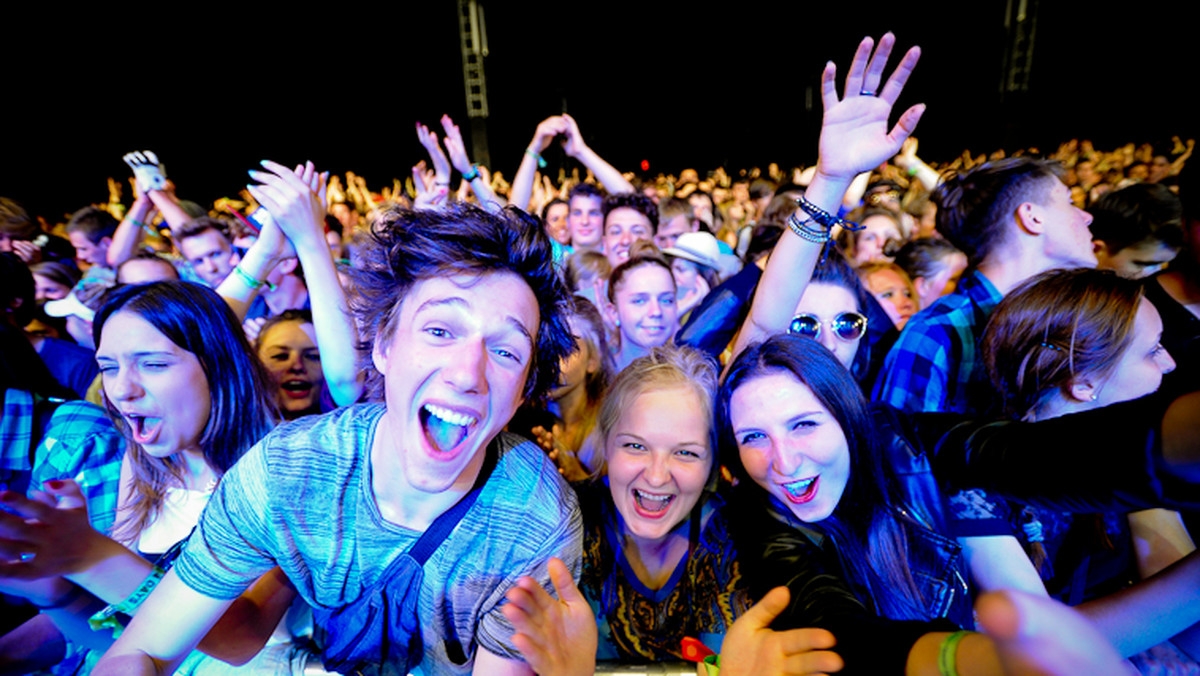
{"x":213,"y":91}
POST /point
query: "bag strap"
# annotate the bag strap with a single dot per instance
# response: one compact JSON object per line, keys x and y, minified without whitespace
{"x":441,"y":527}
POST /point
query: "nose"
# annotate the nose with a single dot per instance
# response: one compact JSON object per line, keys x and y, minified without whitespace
{"x":1087,"y":217}
{"x":121,"y":385}
{"x":1166,"y":363}
{"x":657,"y":472}
{"x":296,"y":364}
{"x":210,"y":266}
{"x":656,"y":308}
{"x":826,"y":338}
{"x":466,"y":370}
{"x":787,"y":459}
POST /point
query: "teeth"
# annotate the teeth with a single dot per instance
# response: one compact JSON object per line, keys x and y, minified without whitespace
{"x":452,"y":417}
{"x":652,"y":502}
{"x":798,"y":488}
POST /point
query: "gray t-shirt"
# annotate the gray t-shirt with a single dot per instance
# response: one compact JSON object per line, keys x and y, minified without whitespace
{"x":302,"y":499}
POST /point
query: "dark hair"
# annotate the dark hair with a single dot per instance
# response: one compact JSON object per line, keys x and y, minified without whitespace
{"x":546,"y":209}
{"x":242,"y":411}
{"x":923,"y":257}
{"x":59,"y":273}
{"x":94,"y":223}
{"x":585,"y":190}
{"x":15,"y":221}
{"x":632,"y":200}
{"x":17,"y":289}
{"x":835,"y":270}
{"x":868,"y":526}
{"x":406,"y":247}
{"x":974,"y":208}
{"x":302,"y":316}
{"x":1140,"y":212}
{"x":1055,"y":326}
{"x":198,"y":226}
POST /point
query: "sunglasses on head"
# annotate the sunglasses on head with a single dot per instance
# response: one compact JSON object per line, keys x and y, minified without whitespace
{"x":847,"y":326}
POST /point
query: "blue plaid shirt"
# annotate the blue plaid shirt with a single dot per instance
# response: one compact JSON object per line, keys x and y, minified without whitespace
{"x":935,"y":365}
{"x":78,"y":442}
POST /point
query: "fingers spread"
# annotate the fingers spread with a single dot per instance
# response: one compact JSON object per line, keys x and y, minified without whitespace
{"x":858,"y":67}
{"x":895,"y":84}
{"x":879,"y":59}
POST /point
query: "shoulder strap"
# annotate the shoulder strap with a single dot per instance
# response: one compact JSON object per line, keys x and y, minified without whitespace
{"x":441,"y":527}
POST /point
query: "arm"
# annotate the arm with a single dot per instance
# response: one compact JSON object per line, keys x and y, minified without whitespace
{"x":607,"y":174}
{"x":854,"y":138}
{"x":295,"y":200}
{"x":522,"y":185}
{"x":458,"y":157}
{"x":998,"y":562}
{"x":915,"y":166}
{"x":128,"y":235}
{"x":168,"y":206}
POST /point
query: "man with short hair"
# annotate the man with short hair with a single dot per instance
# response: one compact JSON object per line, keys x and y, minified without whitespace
{"x":1014,"y":219}
{"x":585,"y":216}
{"x":1137,"y":230}
{"x":205,"y":244}
{"x":674,"y":219}
{"x":466,"y":313}
{"x":628,"y":217}
{"x":90,"y":231}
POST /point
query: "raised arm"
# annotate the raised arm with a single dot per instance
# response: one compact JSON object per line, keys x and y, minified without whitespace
{"x":470,"y":173}
{"x":296,"y":202}
{"x":607,"y":174}
{"x":854,"y":139}
{"x":522,"y":185}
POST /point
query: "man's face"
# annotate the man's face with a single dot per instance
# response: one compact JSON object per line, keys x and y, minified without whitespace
{"x":586,"y":221}
{"x":88,"y":252}
{"x":1138,"y":260}
{"x":210,"y":254}
{"x":454,"y":368}
{"x":1159,"y":168}
{"x":1068,"y":240}
{"x":622,"y":227}
{"x":671,"y":230}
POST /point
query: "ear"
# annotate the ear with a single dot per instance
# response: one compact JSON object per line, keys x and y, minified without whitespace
{"x":379,"y":353}
{"x":1083,"y":389}
{"x":287,"y":266}
{"x":593,"y":363}
{"x":921,"y":286}
{"x":611,"y":317}
{"x":1030,"y":219}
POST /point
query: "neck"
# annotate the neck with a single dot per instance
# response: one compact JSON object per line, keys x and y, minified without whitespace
{"x":398,"y":501}
{"x":628,"y":352}
{"x":198,"y":474}
{"x":289,"y":294}
{"x":653,"y":561}
{"x":1006,"y":271}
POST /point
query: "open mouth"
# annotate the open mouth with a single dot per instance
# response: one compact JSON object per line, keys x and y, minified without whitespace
{"x":444,"y":428}
{"x":297,"y":389}
{"x":800,"y":492}
{"x":144,"y":428}
{"x":651,"y":505}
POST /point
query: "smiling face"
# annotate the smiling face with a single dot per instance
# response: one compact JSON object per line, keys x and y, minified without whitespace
{"x":159,"y":388}
{"x":454,"y":367}
{"x":556,"y":223}
{"x":645,"y":306}
{"x":895,"y":294}
{"x":586,"y":221}
{"x":790,"y":444}
{"x":622,"y":227}
{"x":826,"y":302}
{"x":659,"y":459}
{"x":289,"y":351}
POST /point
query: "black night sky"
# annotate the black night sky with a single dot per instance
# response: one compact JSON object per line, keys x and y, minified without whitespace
{"x":675,"y":84}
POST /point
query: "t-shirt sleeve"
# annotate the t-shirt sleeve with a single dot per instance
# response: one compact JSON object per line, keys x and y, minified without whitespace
{"x":231,"y":546}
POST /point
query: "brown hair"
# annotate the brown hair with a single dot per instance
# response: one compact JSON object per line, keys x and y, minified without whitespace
{"x":1054,"y":327}
{"x":641,"y":253}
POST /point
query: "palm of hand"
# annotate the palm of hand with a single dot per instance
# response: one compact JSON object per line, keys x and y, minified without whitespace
{"x":854,"y":135}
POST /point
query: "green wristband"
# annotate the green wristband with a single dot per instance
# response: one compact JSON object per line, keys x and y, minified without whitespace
{"x":948,"y":653}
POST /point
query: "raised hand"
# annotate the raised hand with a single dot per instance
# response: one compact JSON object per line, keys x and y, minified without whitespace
{"x":854,"y":131}
{"x":455,"y":146}
{"x":429,"y":195}
{"x":547,"y":129}
{"x":149,"y":172}
{"x":441,"y":165}
{"x":557,"y":637}
{"x":295,"y":198}
{"x":574,"y":144}
{"x":752,"y":648}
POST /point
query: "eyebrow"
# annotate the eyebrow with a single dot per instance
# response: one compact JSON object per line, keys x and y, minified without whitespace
{"x":144,"y":353}
{"x":460,"y":303}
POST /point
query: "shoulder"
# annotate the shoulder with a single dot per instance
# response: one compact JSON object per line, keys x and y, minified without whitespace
{"x":527,"y":480}
{"x":340,"y":433}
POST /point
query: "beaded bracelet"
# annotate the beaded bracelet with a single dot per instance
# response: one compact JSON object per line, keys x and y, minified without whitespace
{"x":106,"y":617}
{"x":473,"y":175}
{"x":948,"y":653}
{"x":537,"y":156}
{"x":822,"y":217}
{"x":817,"y":235}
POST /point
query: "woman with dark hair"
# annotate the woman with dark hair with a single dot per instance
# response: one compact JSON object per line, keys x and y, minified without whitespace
{"x":183,"y":387}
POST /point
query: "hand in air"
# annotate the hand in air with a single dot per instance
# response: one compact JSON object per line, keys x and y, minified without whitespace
{"x":752,"y":648}
{"x":430,"y":195}
{"x":295,"y":198}
{"x":547,"y":129}
{"x":455,"y":146}
{"x":47,"y":534}
{"x":854,"y":131}
{"x":149,"y":172}
{"x":441,"y":165}
{"x":573,"y":145}
{"x":557,"y":637}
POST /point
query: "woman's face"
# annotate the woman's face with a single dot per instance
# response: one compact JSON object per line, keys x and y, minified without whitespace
{"x":895,"y":294}
{"x":826,"y":302}
{"x":790,"y":444}
{"x":645,"y":306}
{"x":577,"y":366}
{"x":556,"y":223}
{"x":158,"y":388}
{"x":877,"y":230}
{"x":1140,"y":369}
{"x":659,"y":459}
{"x":686,"y":273}
{"x":48,"y":289}
{"x":289,"y":351}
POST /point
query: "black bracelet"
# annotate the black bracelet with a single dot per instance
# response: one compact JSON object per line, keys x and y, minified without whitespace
{"x":822,"y":217}
{"x":63,"y":601}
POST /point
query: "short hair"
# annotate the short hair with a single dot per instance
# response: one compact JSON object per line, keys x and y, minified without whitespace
{"x":406,"y":247}
{"x":1056,"y":326}
{"x":15,"y":221}
{"x":94,"y":223}
{"x":848,"y":239}
{"x":975,"y":207}
{"x":922,"y":257}
{"x":763,"y":239}
{"x":640,"y":254}
{"x":632,"y":200}
{"x":242,"y":409}
{"x":147,"y":256}
{"x":198,"y":226}
{"x":672,"y":207}
{"x":761,"y":187}
{"x":585,"y":190}
{"x":586,"y":264}
{"x":1140,"y":212}
{"x":666,"y":366}
{"x":778,"y":210}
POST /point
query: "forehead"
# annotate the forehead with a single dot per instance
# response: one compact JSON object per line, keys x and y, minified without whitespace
{"x":557,"y":207}
{"x":291,"y":333}
{"x":142,"y":270}
{"x":498,"y":301}
{"x":1147,"y":327}
{"x":78,"y":239}
{"x":648,"y":278}
{"x":585,"y":202}
{"x":203,"y":242}
{"x":885,"y":278}
{"x":625,"y":216}
{"x":677,"y":225}
{"x":127,"y":331}
{"x":785,"y":390}
{"x":879,"y":222}
{"x":826,"y":301}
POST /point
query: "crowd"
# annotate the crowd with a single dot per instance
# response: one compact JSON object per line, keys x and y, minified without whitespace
{"x":875,"y":415}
